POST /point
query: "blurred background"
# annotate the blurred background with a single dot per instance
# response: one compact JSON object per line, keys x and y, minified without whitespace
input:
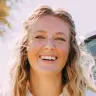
{"x":14,"y":12}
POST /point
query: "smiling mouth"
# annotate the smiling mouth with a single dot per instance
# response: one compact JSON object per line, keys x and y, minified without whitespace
{"x":48,"y":58}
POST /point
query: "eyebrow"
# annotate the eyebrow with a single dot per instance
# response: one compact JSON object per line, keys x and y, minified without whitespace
{"x":57,"y":33}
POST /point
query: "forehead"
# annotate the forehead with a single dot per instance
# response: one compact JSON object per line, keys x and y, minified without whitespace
{"x":50,"y":24}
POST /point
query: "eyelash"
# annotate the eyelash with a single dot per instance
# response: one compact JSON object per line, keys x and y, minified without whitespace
{"x":40,"y":37}
{"x":58,"y":38}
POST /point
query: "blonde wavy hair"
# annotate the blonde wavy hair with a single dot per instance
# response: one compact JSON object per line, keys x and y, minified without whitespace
{"x":71,"y":74}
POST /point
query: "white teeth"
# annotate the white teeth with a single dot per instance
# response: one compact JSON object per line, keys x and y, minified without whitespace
{"x":48,"y":57}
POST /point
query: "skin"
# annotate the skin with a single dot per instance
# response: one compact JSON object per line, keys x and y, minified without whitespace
{"x":47,"y":39}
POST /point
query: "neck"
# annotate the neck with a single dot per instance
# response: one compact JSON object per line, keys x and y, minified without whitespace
{"x":45,"y":85}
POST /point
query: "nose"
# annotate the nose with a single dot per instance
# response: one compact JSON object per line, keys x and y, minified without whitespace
{"x":50,"y":45}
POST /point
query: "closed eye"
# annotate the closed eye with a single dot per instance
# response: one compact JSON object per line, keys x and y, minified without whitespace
{"x":60,"y":38}
{"x":40,"y":37}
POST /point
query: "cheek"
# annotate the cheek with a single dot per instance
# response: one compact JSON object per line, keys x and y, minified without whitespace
{"x":35,"y":44}
{"x":64,"y":49}
{"x":64,"y":52}
{"x":33,"y":51}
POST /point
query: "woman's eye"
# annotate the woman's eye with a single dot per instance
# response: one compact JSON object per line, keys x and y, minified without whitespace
{"x":40,"y":37}
{"x":60,"y":38}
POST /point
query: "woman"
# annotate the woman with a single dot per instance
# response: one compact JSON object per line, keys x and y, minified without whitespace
{"x":47,"y":62}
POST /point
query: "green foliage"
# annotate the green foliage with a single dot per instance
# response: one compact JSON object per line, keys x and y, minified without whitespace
{"x":4,"y":11}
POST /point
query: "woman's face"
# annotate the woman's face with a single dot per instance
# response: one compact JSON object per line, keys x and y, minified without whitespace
{"x":48,"y":42}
